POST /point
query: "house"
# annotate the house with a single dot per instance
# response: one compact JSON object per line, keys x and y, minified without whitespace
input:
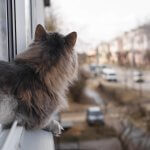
{"x":138,"y":44}
{"x":116,"y":47}
{"x":129,"y":48}
{"x":104,"y":52}
{"x":91,"y":56}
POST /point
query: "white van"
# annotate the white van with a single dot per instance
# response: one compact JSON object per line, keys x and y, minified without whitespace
{"x":109,"y":74}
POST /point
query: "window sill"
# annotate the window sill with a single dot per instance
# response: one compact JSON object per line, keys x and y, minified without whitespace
{"x":19,"y":138}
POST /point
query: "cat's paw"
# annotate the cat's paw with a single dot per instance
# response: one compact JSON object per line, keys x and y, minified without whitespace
{"x":55,"y":128}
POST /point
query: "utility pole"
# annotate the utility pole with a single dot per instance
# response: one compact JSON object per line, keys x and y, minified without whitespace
{"x":133,"y":60}
{"x":97,"y":56}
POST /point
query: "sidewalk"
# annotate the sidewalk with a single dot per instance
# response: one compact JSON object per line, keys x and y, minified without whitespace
{"x":104,"y":144}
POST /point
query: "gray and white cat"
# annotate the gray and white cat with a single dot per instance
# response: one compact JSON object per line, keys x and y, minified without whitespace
{"x":32,"y":87}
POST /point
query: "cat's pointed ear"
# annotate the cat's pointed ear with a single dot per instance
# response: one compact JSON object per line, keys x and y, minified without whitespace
{"x":40,"y":33}
{"x":70,"y":39}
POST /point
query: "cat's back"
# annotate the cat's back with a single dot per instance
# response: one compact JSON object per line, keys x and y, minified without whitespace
{"x":8,"y":74}
{"x":6,"y":67}
{"x":7,"y":102}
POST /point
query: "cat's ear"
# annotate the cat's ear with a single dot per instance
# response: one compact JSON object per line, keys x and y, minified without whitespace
{"x":70,"y":39}
{"x":40,"y":33}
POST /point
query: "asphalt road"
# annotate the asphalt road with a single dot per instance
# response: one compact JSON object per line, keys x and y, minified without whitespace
{"x":125,"y":77}
{"x":103,"y":144}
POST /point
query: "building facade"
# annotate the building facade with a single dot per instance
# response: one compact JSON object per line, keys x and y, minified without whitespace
{"x":130,"y":48}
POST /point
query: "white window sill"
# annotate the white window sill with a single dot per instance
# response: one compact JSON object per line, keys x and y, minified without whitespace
{"x":17,"y":138}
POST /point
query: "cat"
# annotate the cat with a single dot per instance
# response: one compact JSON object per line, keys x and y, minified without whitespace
{"x":33,"y":85}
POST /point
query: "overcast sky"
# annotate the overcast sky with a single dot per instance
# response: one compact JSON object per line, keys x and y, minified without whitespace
{"x":99,"y":20}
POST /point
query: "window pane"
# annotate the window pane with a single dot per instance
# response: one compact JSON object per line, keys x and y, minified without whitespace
{"x":20,"y":25}
{"x":28,"y":21}
{"x":3,"y":31}
{"x":23,"y":24}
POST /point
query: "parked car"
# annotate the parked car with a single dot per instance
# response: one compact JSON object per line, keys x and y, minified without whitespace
{"x":95,"y":116}
{"x":138,"y":76}
{"x":97,"y":69}
{"x":109,"y":74}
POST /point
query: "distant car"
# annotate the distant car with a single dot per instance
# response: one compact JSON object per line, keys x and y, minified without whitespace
{"x":97,"y":69}
{"x":138,"y":76}
{"x":101,"y":67}
{"x":109,"y":74}
{"x":93,"y":68}
{"x":95,"y":116}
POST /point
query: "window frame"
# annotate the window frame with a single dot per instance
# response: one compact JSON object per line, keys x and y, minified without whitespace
{"x":11,"y":26}
{"x":16,"y":28}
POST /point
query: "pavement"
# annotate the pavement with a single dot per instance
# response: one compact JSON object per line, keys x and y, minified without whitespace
{"x":104,"y":144}
{"x":125,"y":77}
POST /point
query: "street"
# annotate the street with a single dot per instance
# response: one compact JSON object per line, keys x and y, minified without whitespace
{"x":75,"y":117}
{"x":103,"y":144}
{"x":125,"y":77}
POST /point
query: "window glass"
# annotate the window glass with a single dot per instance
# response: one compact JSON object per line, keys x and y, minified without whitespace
{"x":28,"y":21}
{"x":20,"y":25}
{"x":37,"y":14}
{"x":3,"y":31}
{"x":23,"y":24}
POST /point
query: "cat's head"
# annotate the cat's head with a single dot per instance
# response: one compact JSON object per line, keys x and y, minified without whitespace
{"x":58,"y":52}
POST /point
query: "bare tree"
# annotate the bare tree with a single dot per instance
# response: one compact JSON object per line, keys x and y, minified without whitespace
{"x":147,"y":56}
{"x":50,"y":19}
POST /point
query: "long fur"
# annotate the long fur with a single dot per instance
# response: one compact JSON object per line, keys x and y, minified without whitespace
{"x":32,"y":87}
